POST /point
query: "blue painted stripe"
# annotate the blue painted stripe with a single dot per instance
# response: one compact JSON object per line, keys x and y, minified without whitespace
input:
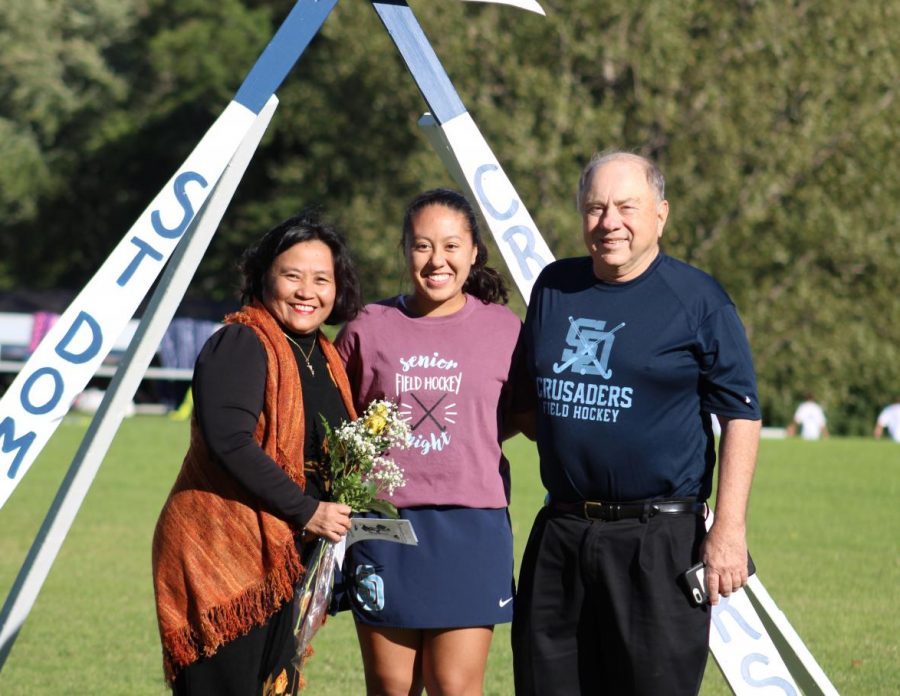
{"x":288,"y":44}
{"x":421,"y":60}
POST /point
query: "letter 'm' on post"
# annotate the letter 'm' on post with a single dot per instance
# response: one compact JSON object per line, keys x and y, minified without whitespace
{"x":10,"y":443}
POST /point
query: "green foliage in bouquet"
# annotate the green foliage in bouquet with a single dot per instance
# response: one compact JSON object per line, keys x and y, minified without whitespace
{"x":361,"y":473}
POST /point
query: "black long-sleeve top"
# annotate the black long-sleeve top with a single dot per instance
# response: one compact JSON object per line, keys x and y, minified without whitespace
{"x":229,"y":392}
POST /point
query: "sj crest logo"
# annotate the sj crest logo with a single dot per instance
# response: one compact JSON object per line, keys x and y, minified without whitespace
{"x":590,"y":346}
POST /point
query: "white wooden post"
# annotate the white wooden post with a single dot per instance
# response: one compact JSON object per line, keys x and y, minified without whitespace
{"x":752,"y":660}
{"x":175,"y":280}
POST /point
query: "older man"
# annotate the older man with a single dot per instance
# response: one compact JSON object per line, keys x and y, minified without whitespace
{"x":629,"y":351}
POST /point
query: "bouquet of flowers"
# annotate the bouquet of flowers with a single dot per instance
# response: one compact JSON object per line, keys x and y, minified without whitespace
{"x":360,"y":473}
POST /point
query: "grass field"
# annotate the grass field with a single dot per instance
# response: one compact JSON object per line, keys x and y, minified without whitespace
{"x":824,"y":530}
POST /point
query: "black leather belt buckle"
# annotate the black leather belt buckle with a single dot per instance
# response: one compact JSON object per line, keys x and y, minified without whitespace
{"x":608,"y":512}
{"x":594,"y":510}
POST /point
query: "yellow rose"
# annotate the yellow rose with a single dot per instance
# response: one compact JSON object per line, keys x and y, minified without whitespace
{"x":281,"y":682}
{"x":375,"y":423}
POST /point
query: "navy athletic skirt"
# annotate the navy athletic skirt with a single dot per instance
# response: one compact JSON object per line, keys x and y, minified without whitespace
{"x":459,"y":575}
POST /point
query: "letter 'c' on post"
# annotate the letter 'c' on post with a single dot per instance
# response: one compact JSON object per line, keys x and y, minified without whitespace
{"x":482,"y":194}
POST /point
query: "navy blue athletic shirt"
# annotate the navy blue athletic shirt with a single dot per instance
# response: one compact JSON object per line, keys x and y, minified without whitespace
{"x":627,"y":375}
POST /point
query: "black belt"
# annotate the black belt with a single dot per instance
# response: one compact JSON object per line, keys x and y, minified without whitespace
{"x":610,"y":512}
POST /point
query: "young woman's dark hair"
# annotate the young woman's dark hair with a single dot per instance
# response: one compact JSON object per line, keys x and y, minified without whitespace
{"x":483,"y":282}
{"x":304,"y":227}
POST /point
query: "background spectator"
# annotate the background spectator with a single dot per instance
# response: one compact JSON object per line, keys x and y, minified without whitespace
{"x":810,"y":417}
{"x":889,"y":418}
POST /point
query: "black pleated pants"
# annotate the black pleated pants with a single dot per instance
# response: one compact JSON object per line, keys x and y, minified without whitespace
{"x":600,"y":610}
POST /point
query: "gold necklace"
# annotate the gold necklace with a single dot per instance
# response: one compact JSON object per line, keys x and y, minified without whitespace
{"x":305,"y":356}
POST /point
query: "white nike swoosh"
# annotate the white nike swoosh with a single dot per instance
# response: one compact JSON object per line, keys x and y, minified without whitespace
{"x":504,"y":602}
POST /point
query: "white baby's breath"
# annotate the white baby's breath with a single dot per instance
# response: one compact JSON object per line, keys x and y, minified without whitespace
{"x":360,"y":470}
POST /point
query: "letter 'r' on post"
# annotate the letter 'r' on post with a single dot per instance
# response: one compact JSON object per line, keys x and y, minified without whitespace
{"x":524,"y":251}
{"x":718,"y":613}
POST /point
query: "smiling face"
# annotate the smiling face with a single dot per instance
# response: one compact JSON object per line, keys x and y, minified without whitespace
{"x":300,"y":286}
{"x":440,"y":255}
{"x":622,"y":220}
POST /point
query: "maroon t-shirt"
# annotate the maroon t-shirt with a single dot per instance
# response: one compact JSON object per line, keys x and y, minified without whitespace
{"x":446,"y":374}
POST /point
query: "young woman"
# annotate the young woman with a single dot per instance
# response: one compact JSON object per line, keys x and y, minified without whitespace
{"x":425,"y":614}
{"x":230,"y":543}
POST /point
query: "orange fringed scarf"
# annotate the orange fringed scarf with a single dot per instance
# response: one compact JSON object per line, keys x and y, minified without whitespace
{"x":222,"y":565}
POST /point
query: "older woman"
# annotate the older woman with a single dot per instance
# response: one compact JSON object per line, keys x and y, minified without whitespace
{"x":228,"y":551}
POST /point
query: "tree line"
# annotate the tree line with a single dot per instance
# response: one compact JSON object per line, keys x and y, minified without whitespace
{"x":776,"y":124}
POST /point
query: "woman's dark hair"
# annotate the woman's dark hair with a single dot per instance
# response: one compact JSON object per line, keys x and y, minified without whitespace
{"x":305,"y":227}
{"x":483,"y":282}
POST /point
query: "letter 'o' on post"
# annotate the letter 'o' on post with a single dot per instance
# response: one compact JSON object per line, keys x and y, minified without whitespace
{"x":56,"y":392}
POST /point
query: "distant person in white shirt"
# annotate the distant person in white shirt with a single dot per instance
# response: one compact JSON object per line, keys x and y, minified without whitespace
{"x":810,"y":417}
{"x":889,"y":418}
